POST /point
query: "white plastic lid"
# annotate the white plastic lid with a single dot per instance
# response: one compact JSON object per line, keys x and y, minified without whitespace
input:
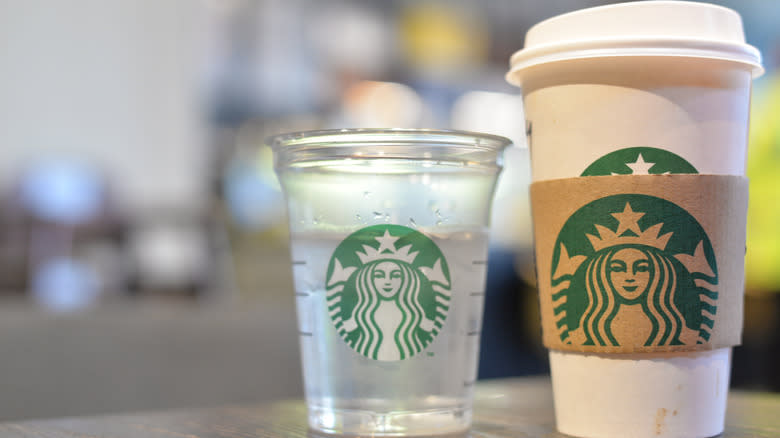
{"x":647,"y":28}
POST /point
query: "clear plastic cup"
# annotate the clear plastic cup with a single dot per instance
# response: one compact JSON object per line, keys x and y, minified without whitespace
{"x":389,"y":238}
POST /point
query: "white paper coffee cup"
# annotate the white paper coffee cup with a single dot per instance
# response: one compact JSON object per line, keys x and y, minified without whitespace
{"x":642,"y":77}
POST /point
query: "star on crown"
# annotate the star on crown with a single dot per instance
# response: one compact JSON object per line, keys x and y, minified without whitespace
{"x":387,"y":250}
{"x":628,"y":232}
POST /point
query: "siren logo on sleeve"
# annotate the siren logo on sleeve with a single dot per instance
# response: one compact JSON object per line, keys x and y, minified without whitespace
{"x":633,"y":270}
{"x":388,"y":291}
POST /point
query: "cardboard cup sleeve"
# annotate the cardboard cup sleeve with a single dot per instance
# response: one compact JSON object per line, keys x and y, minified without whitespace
{"x":640,"y":263}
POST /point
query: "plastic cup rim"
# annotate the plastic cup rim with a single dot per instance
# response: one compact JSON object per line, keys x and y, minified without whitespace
{"x":374,"y":136}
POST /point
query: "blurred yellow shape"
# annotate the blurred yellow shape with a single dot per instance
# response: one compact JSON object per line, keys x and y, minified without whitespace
{"x":435,"y":37}
{"x":762,"y":264}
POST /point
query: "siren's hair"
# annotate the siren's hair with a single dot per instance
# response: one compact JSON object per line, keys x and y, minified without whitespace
{"x":408,"y":299}
{"x":667,"y":321}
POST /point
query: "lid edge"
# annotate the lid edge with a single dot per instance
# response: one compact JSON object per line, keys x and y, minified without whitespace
{"x":653,"y":47}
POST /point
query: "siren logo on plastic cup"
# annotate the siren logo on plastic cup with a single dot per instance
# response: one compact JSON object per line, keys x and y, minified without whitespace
{"x":639,"y":161}
{"x":634,"y":270}
{"x":388,"y":291}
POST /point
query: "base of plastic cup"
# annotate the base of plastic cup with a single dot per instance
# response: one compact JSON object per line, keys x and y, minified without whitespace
{"x":362,"y":422}
{"x":669,"y":395}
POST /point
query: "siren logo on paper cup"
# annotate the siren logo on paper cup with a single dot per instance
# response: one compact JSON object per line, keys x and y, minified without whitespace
{"x":633,"y":270}
{"x":388,"y":291}
{"x":639,"y":161}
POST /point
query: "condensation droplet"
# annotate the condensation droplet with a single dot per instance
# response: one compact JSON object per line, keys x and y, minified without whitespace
{"x":316,"y":220}
{"x":359,"y":218}
{"x":366,"y":195}
{"x":377,"y":215}
{"x":437,"y":213}
{"x":438,"y":223}
{"x":412,"y":222}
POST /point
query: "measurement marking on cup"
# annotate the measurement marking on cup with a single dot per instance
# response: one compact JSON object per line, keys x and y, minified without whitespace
{"x":477,"y":294}
{"x":479,"y":262}
{"x":309,"y":334}
{"x":298,"y":262}
{"x":302,"y":294}
{"x":476,"y":333}
{"x":468,"y":383}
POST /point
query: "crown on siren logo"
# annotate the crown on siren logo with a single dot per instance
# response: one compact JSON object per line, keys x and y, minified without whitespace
{"x":386,"y":251}
{"x":628,"y":222}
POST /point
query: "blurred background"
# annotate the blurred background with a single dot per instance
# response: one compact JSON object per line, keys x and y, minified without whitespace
{"x":143,"y":245}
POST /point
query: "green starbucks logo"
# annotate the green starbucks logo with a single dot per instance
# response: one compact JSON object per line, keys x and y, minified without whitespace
{"x":388,"y":291}
{"x":633,"y":270}
{"x":639,"y":161}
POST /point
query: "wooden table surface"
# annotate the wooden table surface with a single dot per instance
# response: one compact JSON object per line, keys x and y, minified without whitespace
{"x":503,"y":408}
